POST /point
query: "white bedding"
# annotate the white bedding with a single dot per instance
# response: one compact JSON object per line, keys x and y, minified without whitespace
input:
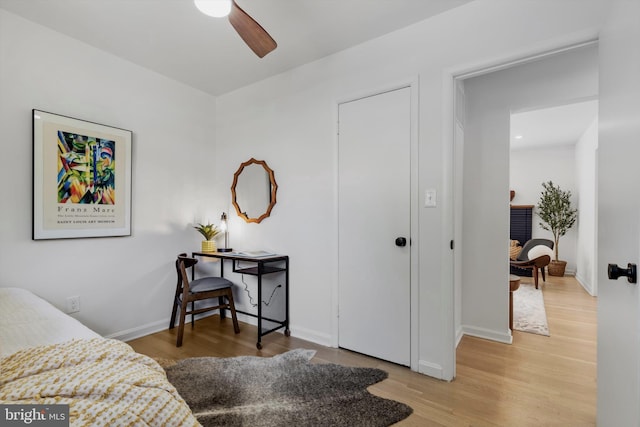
{"x":104,"y":382}
{"x":27,"y":320}
{"x":48,"y":357}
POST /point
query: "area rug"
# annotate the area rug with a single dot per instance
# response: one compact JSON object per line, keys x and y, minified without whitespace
{"x":529,"y":314}
{"x":284,"y":390}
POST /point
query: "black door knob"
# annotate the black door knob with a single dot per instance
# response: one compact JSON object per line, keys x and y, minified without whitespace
{"x":630,"y":272}
{"x":401,"y":241}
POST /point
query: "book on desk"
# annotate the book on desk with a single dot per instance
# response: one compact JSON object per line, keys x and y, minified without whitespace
{"x":253,"y":254}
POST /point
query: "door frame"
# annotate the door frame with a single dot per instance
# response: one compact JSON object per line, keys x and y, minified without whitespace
{"x":451,"y":77}
{"x":413,"y":85}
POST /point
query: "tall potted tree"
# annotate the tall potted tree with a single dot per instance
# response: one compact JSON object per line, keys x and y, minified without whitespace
{"x":558,"y":216}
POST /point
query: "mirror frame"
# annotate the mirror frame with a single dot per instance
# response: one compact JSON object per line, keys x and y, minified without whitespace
{"x":274,"y":188}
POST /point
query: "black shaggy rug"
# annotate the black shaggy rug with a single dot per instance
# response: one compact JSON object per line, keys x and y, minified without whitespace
{"x":285,"y":390}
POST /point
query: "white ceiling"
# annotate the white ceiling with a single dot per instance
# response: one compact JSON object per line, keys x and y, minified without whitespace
{"x":558,"y":125}
{"x":173,"y":38}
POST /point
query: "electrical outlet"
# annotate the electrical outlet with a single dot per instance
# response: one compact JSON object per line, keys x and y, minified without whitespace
{"x":73,"y":304}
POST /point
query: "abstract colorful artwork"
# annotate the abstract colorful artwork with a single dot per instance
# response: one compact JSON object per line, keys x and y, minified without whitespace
{"x":86,"y":169}
{"x":81,"y":178}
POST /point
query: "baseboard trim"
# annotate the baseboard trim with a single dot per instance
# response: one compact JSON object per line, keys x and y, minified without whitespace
{"x":140,"y":331}
{"x":587,"y":287}
{"x":431,"y":369}
{"x":311,"y":335}
{"x":488,"y":334}
{"x":161,"y":325}
{"x":459,"y":335}
{"x":152,"y":328}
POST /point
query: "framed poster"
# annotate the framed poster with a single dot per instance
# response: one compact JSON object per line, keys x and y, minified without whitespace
{"x":81,"y":178}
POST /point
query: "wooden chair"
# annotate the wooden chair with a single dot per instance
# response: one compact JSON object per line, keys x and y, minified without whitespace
{"x":199,"y":289}
{"x":536,"y":264}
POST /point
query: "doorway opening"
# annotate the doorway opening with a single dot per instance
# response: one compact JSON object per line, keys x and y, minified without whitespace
{"x":487,"y":106}
{"x":558,"y":144}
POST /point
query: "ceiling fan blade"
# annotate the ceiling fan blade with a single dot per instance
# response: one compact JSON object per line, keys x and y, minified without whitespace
{"x":251,"y":32}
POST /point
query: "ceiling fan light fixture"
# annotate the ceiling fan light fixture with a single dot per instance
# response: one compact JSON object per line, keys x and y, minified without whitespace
{"x":215,"y":8}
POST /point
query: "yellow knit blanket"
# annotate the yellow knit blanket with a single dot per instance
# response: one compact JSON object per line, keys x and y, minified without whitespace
{"x":104,"y":382}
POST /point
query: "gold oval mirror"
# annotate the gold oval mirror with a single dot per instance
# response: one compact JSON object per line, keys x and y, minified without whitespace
{"x":253,"y":191}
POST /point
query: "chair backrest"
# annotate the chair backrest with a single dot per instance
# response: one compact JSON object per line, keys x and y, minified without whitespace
{"x":532,"y":243}
{"x":188,"y":261}
{"x":182,"y":263}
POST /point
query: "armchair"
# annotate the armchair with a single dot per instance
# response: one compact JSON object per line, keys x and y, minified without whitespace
{"x":535,"y":255}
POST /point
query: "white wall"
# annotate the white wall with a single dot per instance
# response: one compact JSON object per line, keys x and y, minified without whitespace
{"x":529,"y":168}
{"x":290,"y":121}
{"x":287,"y":120}
{"x":125,"y":284}
{"x":586,"y":176}
{"x":490,"y":99}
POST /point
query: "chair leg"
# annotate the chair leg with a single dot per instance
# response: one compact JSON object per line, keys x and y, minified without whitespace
{"x":544,"y":279}
{"x":172,"y":322}
{"x":535,"y":276}
{"x":183,"y":311}
{"x":193,"y":316}
{"x":232,"y":308}
{"x":222,"y":304}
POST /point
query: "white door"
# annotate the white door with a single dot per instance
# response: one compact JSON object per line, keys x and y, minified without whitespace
{"x":373,"y":217}
{"x":619,"y":217}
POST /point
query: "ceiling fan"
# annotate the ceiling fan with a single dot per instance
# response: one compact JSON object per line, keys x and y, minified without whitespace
{"x":249,"y":30}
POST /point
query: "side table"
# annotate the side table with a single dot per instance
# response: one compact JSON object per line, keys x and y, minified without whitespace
{"x":514,"y":284}
{"x":262,"y":265}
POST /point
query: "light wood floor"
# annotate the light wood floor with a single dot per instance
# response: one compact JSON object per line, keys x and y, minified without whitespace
{"x":536,"y":381}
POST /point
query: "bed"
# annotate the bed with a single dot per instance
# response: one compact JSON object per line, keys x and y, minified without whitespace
{"x":50,"y":358}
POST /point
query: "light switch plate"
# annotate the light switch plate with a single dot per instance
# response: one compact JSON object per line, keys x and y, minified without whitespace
{"x":430,"y":198}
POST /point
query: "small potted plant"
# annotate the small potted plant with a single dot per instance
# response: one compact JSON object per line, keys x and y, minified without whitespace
{"x":208,"y":231}
{"x":558,"y":216}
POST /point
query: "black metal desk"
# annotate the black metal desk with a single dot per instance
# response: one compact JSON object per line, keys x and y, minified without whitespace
{"x":262,"y":265}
